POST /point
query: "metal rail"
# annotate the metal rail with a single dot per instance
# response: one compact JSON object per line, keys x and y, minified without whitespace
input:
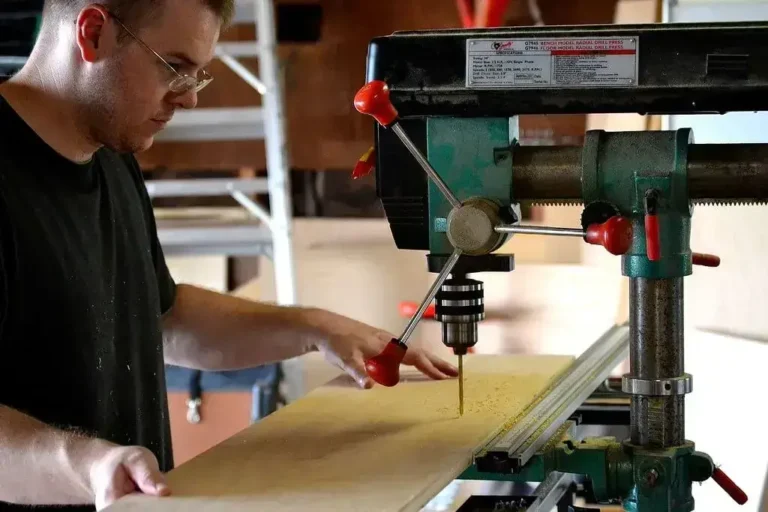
{"x":205,"y":187}
{"x":540,"y":230}
{"x":551,"y":491}
{"x":564,"y":397}
{"x":717,"y":173}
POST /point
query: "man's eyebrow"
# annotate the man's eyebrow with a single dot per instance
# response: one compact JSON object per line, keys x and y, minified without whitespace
{"x":186,"y":58}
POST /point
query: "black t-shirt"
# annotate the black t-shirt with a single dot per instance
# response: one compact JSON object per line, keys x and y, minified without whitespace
{"x":83,"y":285}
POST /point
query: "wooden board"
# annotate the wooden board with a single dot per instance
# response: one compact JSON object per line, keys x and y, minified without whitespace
{"x":341,"y":448}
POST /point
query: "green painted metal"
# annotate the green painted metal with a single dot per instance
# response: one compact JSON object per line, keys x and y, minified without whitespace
{"x":643,"y":480}
{"x":662,"y":479}
{"x":619,"y":168}
{"x":603,"y":459}
{"x":469,"y":155}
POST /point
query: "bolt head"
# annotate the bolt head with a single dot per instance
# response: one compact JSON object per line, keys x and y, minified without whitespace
{"x":651,"y":477}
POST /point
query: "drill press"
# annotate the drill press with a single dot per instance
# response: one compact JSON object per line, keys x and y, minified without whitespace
{"x":451,"y":175}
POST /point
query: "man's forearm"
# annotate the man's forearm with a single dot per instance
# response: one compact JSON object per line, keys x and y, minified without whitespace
{"x":41,"y":465}
{"x":211,"y":331}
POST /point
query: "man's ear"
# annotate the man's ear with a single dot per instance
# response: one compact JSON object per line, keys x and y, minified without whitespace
{"x":91,"y":25}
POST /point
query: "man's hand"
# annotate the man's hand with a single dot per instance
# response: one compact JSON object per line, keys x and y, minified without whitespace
{"x":348,"y":343}
{"x":124,"y":470}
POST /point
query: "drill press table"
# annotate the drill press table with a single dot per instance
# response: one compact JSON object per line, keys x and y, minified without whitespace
{"x":341,"y":448}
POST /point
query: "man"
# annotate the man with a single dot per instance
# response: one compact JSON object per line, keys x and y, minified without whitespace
{"x":88,"y":311}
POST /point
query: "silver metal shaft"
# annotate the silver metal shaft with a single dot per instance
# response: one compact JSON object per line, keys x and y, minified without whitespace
{"x":441,"y":277}
{"x":540,"y":230}
{"x":431,"y":172}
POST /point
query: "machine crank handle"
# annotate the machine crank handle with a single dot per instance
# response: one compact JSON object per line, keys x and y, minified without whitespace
{"x":728,"y":485}
{"x":615,"y":234}
{"x":705,"y":260}
{"x":385,"y":367}
{"x":373,"y":99}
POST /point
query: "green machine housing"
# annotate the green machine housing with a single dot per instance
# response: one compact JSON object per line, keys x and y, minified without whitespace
{"x":459,"y":95}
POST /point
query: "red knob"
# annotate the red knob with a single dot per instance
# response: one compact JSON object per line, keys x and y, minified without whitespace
{"x":733,"y":490}
{"x":385,"y":367}
{"x":615,"y":234}
{"x":408,"y":309}
{"x":373,"y":100}
{"x":706,"y":260}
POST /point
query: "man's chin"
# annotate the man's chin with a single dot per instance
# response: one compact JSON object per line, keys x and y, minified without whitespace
{"x":137,"y":145}
{"x":145,"y":144}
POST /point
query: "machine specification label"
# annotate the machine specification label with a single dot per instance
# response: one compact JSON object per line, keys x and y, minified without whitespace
{"x":577,"y":62}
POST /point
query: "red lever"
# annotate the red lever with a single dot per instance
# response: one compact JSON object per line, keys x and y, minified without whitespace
{"x":373,"y":99}
{"x":409,"y":308}
{"x":706,"y":260}
{"x":733,"y":490}
{"x":652,"y":234}
{"x":365,"y":165}
{"x":652,"y":237}
{"x":385,"y":367}
{"x":615,"y":234}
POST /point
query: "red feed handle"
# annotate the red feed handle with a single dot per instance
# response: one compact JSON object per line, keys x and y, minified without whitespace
{"x":728,"y":485}
{"x":373,"y":100}
{"x":615,"y":235}
{"x":385,"y":367}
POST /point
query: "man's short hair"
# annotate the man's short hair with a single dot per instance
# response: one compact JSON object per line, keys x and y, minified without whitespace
{"x":134,"y":12}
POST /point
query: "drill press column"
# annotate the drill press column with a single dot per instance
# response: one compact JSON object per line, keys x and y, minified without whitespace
{"x":656,"y":354}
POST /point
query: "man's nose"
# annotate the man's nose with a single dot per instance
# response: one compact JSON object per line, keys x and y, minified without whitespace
{"x":185,"y":100}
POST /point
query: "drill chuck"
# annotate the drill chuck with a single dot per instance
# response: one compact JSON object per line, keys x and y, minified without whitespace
{"x":459,"y":306}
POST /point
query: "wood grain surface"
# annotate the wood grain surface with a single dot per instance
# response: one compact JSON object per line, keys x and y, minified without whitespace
{"x":344,"y":449}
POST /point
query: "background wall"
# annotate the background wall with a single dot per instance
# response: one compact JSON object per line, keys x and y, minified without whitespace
{"x":322,"y":77}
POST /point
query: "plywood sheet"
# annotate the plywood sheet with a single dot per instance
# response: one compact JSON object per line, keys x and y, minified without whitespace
{"x":342,"y":449}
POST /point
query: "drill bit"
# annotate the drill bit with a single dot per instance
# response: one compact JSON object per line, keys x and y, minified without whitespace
{"x":461,"y":385}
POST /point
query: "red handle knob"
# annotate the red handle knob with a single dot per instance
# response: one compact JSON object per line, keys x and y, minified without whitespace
{"x":733,"y":490}
{"x":385,"y":367}
{"x":373,"y":99}
{"x":615,"y":234}
{"x":706,"y":260}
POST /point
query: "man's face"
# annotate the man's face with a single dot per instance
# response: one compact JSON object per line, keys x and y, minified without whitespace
{"x":128,"y":99}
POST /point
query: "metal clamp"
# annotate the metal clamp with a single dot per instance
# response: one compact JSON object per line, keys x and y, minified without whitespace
{"x":193,"y":410}
{"x":657,"y":387}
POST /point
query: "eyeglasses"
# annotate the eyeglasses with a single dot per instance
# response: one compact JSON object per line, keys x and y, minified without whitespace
{"x":181,"y":83}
